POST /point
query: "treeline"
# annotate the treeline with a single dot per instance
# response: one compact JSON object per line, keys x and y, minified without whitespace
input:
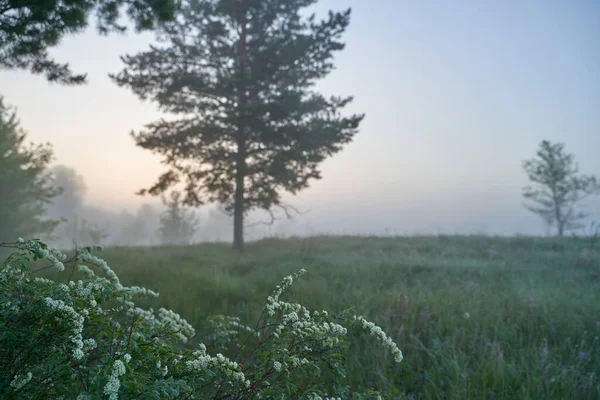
{"x":50,"y":202}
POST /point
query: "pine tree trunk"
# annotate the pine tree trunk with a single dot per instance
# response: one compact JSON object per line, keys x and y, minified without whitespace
{"x":561,"y":229}
{"x":239,"y":206}
{"x":238,"y":225}
{"x":238,"y":211}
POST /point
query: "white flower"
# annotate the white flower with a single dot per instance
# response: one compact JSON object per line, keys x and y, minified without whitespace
{"x":127,"y":358}
{"x":78,"y":354}
{"x":380,"y":334}
{"x":112,"y":386}
{"x":74,"y":318}
{"x":277,"y":366}
{"x":176,"y":323}
{"x":89,"y":344}
{"x":85,"y":256}
{"x":118,"y":368}
{"x":19,"y":381}
{"x":273,"y":300}
{"x":86,"y":271}
{"x":204,"y":362}
{"x":64,"y":288}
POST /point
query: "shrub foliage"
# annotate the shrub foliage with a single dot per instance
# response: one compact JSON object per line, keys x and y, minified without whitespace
{"x":84,"y":337}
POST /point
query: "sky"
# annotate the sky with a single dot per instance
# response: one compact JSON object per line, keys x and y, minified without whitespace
{"x":456,"y":94}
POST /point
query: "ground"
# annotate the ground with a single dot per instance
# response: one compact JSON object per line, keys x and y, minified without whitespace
{"x":476,"y":317}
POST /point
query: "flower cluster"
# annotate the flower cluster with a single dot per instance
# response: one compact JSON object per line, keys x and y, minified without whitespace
{"x":87,"y":272}
{"x":19,"y":381}
{"x":177,"y":324}
{"x":225,"y":331}
{"x":88,"y":291}
{"x":328,"y":333}
{"x":203,"y":362}
{"x":76,"y":319}
{"x":297,"y":318}
{"x":225,"y":321}
{"x":273,"y":301}
{"x":55,"y":257}
{"x":315,"y":396}
{"x":381,"y":335}
{"x":139,"y":292}
{"x":112,"y":386}
{"x":89,"y":344}
{"x":85,"y":256}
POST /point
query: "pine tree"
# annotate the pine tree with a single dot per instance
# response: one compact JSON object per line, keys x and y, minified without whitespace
{"x":29,"y":28}
{"x":557,"y":187}
{"x":177,"y":224}
{"x":240,"y":77}
{"x":26,"y":184}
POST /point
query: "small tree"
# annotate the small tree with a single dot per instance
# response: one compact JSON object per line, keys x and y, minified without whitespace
{"x":26,"y":184}
{"x":29,"y":28}
{"x":557,"y":187}
{"x":240,"y":77}
{"x":177,"y":224}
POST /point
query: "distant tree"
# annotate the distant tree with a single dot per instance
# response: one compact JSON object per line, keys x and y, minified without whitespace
{"x":83,"y":232}
{"x":216,"y":225}
{"x":557,"y":187}
{"x":125,"y":234}
{"x":177,"y":224}
{"x":26,"y":185}
{"x":241,"y":76}
{"x":29,"y":28}
{"x":68,"y":207}
{"x":141,"y":229}
{"x":96,"y":233}
{"x":73,"y":190}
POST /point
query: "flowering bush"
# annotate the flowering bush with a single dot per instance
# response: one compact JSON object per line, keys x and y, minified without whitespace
{"x":87,"y":339}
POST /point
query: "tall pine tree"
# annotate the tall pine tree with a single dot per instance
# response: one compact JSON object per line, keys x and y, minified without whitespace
{"x":240,"y":76}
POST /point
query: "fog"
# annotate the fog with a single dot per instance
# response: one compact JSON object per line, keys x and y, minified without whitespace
{"x":85,"y":222}
{"x":455,"y":96}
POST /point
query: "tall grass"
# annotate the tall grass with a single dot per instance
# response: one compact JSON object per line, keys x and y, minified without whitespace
{"x":476,"y":317}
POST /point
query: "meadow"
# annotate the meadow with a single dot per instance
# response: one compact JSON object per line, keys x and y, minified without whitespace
{"x":476,"y":317}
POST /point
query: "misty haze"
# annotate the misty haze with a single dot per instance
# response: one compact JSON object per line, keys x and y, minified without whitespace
{"x":428,"y":173}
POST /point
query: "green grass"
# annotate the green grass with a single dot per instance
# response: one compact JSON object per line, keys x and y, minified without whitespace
{"x":534,"y":305}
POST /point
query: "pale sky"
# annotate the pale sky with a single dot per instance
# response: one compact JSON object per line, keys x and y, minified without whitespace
{"x":456,"y":95}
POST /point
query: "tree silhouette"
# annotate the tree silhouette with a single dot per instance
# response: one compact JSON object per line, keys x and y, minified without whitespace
{"x":240,"y":76}
{"x":557,"y":187}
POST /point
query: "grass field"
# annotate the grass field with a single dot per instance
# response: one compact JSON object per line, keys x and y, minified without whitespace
{"x":476,"y":317}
